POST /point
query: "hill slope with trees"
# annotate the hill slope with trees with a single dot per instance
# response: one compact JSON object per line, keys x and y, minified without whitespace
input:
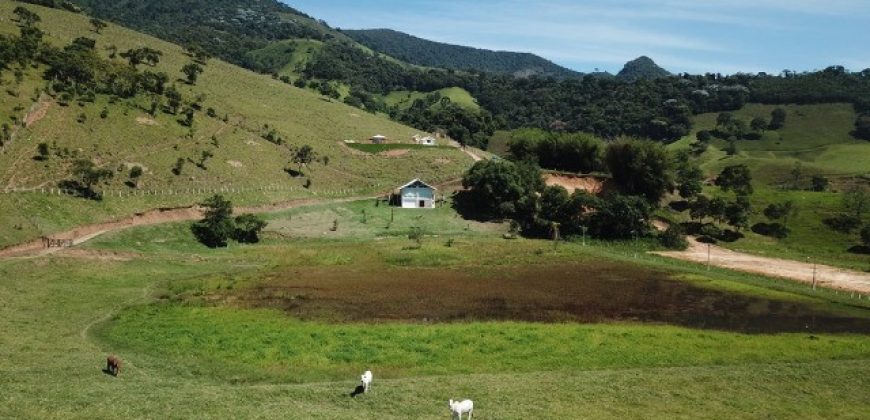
{"x":141,"y":123}
{"x":423,"y":52}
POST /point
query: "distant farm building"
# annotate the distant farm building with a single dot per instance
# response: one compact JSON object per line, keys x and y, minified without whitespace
{"x":415,"y":195}
{"x":424,"y":140}
{"x":378,"y":139}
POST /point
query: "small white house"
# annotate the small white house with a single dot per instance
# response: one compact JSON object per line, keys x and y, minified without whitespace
{"x":379,"y":139}
{"x":416,"y":195}
{"x":424,"y":141}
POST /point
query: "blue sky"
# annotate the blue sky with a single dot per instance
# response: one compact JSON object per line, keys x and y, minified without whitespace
{"x":693,"y":36}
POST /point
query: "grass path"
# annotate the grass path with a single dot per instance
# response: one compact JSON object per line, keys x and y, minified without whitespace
{"x":805,"y":272}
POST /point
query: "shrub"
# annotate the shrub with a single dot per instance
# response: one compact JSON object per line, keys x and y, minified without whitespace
{"x":674,"y":238}
{"x":773,"y":230}
{"x":843,"y":223}
{"x":247,"y":229}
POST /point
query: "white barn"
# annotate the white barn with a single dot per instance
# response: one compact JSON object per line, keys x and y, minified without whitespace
{"x":417,"y":195}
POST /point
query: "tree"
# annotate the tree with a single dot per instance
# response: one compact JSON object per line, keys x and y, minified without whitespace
{"x":248,"y":228}
{"x":797,"y":175}
{"x":737,"y":213}
{"x":865,"y":236}
{"x":502,"y":189}
{"x":98,"y":25}
{"x":704,"y":136}
{"x":25,"y":18}
{"x":689,"y":176}
{"x":781,"y":211}
{"x":700,"y":208}
{"x":88,"y":175}
{"x":856,"y":201}
{"x":674,"y":238}
{"x":641,"y":168}
{"x":43,"y":151}
{"x":716,"y":209}
{"x":777,"y":119}
{"x":135,"y":173}
{"x":192,"y":72}
{"x":216,"y":226}
{"x":303,"y":156}
{"x":736,"y":178}
{"x":173,"y":99}
{"x":862,"y":127}
{"x":621,"y":217}
{"x":820,"y":183}
{"x":758,"y":124}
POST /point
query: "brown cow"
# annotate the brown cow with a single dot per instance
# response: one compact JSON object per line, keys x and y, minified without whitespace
{"x":113,"y":365}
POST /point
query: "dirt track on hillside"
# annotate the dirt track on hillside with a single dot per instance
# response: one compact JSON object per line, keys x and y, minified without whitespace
{"x":85,"y":233}
{"x":826,"y":276}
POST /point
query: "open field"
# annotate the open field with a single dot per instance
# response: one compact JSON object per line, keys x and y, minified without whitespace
{"x":209,"y":333}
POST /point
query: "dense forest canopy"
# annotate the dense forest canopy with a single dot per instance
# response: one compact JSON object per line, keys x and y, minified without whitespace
{"x":423,"y":52}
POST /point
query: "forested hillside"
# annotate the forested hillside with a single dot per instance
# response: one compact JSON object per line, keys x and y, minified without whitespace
{"x":423,"y":52}
{"x":267,"y":36}
{"x":228,"y":29}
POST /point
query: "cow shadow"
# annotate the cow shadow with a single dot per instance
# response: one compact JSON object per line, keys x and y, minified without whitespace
{"x":357,"y":391}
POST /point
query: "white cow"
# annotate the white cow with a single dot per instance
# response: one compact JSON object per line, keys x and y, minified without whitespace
{"x":366,"y":379}
{"x":459,"y":408}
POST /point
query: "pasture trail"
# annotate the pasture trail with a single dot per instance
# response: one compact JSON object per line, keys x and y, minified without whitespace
{"x":82,"y":234}
{"x":825,"y":276}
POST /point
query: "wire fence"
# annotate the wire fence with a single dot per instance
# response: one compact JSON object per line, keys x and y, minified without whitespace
{"x":198,"y":191}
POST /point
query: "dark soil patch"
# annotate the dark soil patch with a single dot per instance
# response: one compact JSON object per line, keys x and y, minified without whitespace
{"x":561,"y":293}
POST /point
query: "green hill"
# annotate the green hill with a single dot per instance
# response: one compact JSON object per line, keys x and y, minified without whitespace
{"x":423,"y":52}
{"x":404,"y":99}
{"x":239,"y":111}
{"x":815,"y":141}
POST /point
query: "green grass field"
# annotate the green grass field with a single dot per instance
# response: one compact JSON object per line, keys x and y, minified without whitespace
{"x":62,"y":314}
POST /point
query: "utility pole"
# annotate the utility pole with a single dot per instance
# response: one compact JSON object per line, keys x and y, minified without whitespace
{"x":708,"y":256}
{"x":814,"y":272}
{"x":584,"y":229}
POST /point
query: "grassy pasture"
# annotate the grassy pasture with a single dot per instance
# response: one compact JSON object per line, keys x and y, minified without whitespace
{"x":404,"y":99}
{"x":135,"y":293}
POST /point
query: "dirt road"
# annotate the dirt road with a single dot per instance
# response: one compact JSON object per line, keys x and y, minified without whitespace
{"x":826,"y":276}
{"x":85,"y":233}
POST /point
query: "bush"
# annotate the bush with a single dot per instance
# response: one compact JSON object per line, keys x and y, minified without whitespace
{"x":773,"y":230}
{"x":674,"y":238}
{"x":865,"y":236}
{"x":247,"y":229}
{"x":843,"y":223}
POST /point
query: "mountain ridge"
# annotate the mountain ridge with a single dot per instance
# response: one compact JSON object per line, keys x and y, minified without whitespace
{"x":424,"y":52}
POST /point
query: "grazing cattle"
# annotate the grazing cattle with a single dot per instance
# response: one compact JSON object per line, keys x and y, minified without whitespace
{"x":458,"y":408}
{"x":113,"y":365}
{"x":366,"y":379}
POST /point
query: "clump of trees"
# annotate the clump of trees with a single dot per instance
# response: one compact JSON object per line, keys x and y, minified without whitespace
{"x":580,"y":152}
{"x":87,"y":176}
{"x":506,"y":190}
{"x":218,"y":227}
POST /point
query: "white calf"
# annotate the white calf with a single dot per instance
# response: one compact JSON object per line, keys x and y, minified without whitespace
{"x":366,"y":379}
{"x":459,"y":408}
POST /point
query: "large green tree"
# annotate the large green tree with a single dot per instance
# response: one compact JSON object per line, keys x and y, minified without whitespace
{"x":737,"y":178}
{"x":502,"y":189}
{"x":641,"y":168}
{"x":216,"y":226}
